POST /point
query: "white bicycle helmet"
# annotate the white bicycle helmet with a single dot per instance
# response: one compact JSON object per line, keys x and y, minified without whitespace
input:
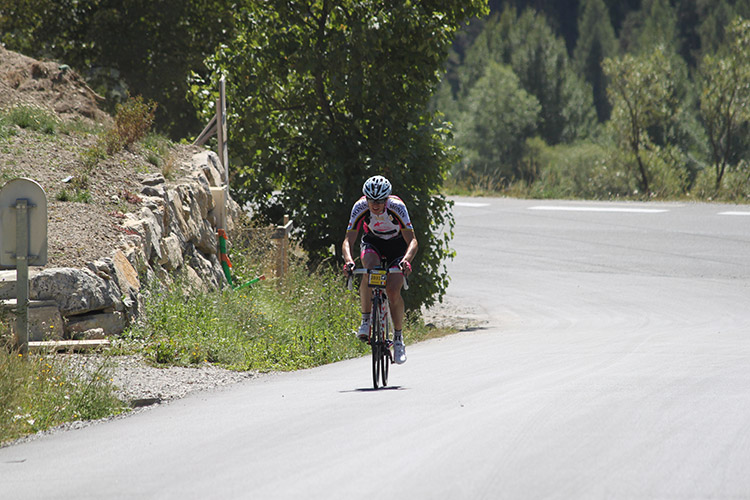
{"x":377,"y":188}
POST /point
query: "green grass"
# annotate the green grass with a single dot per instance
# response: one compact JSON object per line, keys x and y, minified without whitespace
{"x":305,"y":321}
{"x":33,"y":118}
{"x":157,"y":148}
{"x":39,"y":391}
{"x":74,"y":194}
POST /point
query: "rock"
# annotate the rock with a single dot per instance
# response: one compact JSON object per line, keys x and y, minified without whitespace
{"x":183,"y":211}
{"x":125,"y":273}
{"x":207,"y":242}
{"x":155,"y":191}
{"x":208,"y":162}
{"x":148,"y":227}
{"x":153,"y":180}
{"x":110,"y":323}
{"x":75,"y":291}
{"x":172,"y":252}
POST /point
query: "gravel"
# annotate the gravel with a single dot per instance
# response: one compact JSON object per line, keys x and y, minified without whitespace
{"x":139,"y":384}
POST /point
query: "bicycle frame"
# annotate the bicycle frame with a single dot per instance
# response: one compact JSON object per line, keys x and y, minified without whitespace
{"x":380,"y":320}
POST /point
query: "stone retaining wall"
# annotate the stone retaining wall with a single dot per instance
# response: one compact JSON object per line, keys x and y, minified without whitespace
{"x":173,"y":234}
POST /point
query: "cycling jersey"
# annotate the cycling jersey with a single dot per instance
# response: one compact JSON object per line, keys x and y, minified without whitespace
{"x":385,"y":226}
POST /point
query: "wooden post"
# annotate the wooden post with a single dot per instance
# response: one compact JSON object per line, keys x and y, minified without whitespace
{"x":281,"y":234}
{"x":284,"y":244}
{"x":218,"y":126}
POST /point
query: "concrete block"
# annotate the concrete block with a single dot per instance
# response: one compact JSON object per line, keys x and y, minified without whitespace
{"x":45,"y":321}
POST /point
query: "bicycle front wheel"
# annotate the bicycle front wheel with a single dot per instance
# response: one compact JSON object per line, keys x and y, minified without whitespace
{"x":385,"y":351}
{"x":376,"y":364}
{"x":384,"y":362}
{"x":376,"y":343}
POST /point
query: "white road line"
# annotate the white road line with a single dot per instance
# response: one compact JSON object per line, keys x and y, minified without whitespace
{"x":467,"y":204}
{"x":734,"y":213}
{"x":601,"y":209}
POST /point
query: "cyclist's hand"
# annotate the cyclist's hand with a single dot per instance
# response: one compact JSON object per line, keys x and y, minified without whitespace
{"x":405,"y":266}
{"x":348,"y":268}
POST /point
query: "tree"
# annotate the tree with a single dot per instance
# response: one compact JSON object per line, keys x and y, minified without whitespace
{"x":499,"y":117}
{"x":715,"y":17}
{"x":560,"y":13}
{"x":595,"y":43}
{"x":527,"y":44}
{"x":643,"y":95}
{"x":324,"y":94}
{"x":725,"y":96}
{"x":659,"y":27}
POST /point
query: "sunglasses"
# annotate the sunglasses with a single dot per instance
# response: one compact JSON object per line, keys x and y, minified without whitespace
{"x":371,"y":200}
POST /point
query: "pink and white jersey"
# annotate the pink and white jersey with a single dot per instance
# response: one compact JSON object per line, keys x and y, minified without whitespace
{"x":387,"y":225}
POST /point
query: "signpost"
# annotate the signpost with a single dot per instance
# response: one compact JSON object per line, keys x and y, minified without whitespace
{"x":23,"y":242}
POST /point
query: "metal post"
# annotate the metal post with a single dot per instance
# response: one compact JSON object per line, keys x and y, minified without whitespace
{"x":221,"y":116}
{"x":22,"y":274}
{"x":222,"y":123}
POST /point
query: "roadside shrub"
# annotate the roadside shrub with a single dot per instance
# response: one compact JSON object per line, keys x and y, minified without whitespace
{"x":582,"y":170}
{"x":735,"y":185}
{"x":668,"y":178}
{"x":133,"y":120}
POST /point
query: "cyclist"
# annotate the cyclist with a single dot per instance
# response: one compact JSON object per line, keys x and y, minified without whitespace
{"x":388,"y":233}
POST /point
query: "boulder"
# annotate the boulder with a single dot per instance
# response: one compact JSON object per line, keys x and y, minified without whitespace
{"x":75,"y":291}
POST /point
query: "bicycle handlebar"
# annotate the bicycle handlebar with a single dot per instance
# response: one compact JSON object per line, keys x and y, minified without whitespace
{"x":362,"y":270}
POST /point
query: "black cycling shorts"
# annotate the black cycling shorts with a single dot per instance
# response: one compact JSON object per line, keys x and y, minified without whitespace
{"x":393,"y":249}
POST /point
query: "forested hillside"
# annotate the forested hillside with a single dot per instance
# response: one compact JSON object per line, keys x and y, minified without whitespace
{"x":601,"y":98}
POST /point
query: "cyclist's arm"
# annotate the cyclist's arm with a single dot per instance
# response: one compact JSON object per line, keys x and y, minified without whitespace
{"x":411,"y":244}
{"x":349,"y":242}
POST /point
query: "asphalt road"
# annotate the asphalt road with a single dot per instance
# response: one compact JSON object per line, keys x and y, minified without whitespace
{"x":613,"y":362}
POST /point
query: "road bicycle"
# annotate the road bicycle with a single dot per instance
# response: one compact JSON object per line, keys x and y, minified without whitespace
{"x":381,"y":324}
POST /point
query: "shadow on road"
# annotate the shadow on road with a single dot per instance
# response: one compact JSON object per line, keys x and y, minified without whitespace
{"x":370,"y":389}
